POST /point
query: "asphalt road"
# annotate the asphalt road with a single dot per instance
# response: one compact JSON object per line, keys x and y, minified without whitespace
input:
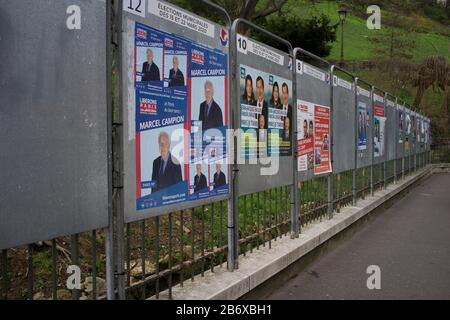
{"x":410,"y":242}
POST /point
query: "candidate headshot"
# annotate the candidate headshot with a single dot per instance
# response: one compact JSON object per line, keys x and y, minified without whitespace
{"x":176,"y":77}
{"x":249,"y":96}
{"x":210,"y":113}
{"x":166,"y":168}
{"x":150,"y":71}
{"x":311,"y":129}
{"x":219,"y":177}
{"x":285,"y":99}
{"x":325,"y":143}
{"x":260,"y":100}
{"x":286,"y":133}
{"x":305,"y":129}
{"x":200,"y":181}
{"x":275,"y":98}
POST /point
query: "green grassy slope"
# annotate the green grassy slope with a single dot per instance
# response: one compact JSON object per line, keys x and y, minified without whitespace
{"x":431,"y":37}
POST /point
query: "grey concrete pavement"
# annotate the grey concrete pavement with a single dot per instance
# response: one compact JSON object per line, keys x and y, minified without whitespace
{"x":410,"y":242}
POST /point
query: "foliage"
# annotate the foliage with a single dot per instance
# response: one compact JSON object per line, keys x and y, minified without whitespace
{"x":315,"y":35}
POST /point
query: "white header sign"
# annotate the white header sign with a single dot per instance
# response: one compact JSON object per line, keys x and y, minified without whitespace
{"x":246,"y":45}
{"x":181,"y":17}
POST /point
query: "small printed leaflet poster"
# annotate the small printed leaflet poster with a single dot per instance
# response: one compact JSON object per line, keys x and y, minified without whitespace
{"x":305,"y":136}
{"x":266,"y":114}
{"x":363,"y":125}
{"x":181,"y":119}
{"x":401,"y":132}
{"x":379,"y":120}
{"x":408,"y":131}
{"x":322,"y":143}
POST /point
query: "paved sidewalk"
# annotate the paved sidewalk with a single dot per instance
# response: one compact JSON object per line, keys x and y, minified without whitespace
{"x":410,"y":242}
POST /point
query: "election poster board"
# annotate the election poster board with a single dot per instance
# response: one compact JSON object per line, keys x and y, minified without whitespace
{"x":262,"y":98}
{"x":364,"y":122}
{"x":379,"y":140}
{"x":176,"y":111}
{"x":322,"y":143}
{"x":305,"y":136}
{"x":53,"y":110}
{"x":313,"y":88}
{"x":266,"y":114}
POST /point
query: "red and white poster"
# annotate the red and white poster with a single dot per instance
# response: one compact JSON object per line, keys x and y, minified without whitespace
{"x":322,"y":143}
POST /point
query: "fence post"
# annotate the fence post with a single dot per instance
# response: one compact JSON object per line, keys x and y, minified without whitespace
{"x":117,"y":201}
{"x":295,"y":225}
{"x":109,"y":236}
{"x":330,"y":175}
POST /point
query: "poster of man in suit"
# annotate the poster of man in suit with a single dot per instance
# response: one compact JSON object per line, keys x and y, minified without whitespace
{"x":150,"y":70}
{"x":176,"y":75}
{"x":180,"y":90}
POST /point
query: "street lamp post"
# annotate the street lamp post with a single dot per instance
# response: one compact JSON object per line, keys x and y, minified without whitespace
{"x":342,"y":16}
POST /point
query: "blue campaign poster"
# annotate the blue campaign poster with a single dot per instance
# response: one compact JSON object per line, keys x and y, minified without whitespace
{"x":181,"y":119}
{"x":363,"y":125}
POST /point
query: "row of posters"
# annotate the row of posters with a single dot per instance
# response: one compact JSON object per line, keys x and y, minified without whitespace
{"x":266,"y":114}
{"x":313,"y":138}
{"x":181,"y":119}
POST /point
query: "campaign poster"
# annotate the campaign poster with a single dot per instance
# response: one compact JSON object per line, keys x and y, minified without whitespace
{"x":322,"y":143}
{"x":363,"y":125}
{"x":380,"y":130}
{"x":400,"y":126}
{"x":266,"y":114}
{"x":418,"y":130}
{"x":422,"y":131}
{"x":305,"y":135}
{"x":181,"y":119}
{"x":407,"y":131}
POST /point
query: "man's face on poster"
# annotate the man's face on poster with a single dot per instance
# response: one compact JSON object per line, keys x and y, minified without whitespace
{"x":218,"y":168}
{"x":198,"y":167}
{"x":164,"y":146}
{"x":260,"y":90}
{"x":175,"y":63}
{"x":262,"y":121}
{"x":286,"y":123}
{"x":209,"y":92}
{"x":305,"y":128}
{"x":149,"y":55}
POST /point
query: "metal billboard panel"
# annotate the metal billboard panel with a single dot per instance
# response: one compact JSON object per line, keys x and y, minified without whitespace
{"x":364,"y":125}
{"x":263,"y":164}
{"x":344,"y":132}
{"x":313,"y":88}
{"x":391,"y":129}
{"x":175,"y":110}
{"x":53,"y":110}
